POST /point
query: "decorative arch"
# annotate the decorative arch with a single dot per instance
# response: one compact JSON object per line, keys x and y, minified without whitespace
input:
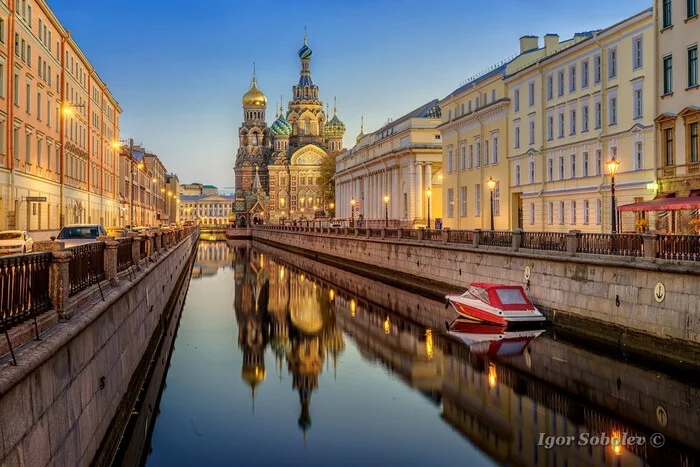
{"x":308,"y":155}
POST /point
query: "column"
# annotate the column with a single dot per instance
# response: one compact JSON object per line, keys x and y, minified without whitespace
{"x":418,"y":195}
{"x":428,"y":175}
{"x":396,"y":194}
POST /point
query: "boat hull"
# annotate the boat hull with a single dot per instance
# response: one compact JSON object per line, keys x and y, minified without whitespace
{"x":475,"y":310}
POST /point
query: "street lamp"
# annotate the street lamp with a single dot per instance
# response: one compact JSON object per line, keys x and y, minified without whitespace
{"x":429,"y":193}
{"x":613,"y":164}
{"x":491,"y":183}
{"x":386,"y":210}
{"x":352,"y":211}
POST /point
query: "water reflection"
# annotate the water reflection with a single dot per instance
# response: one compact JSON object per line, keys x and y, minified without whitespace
{"x":502,"y":392}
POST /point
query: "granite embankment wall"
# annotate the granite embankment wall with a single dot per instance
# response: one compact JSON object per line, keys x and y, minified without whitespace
{"x":57,"y":404}
{"x":610,"y":297}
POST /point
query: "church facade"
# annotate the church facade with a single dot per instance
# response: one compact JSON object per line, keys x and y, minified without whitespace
{"x":277,"y":168}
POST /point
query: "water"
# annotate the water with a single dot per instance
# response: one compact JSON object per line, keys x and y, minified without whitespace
{"x":274,"y":365}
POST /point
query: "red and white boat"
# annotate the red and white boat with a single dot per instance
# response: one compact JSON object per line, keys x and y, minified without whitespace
{"x":490,"y":340}
{"x":495,"y":304}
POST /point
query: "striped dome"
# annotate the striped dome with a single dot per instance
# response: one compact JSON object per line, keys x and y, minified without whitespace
{"x":305,"y":53}
{"x":334,"y":127}
{"x":281,"y":127}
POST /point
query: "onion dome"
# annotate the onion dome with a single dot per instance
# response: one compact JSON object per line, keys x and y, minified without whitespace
{"x":254,"y":97}
{"x":305,"y":52}
{"x":307,"y":320}
{"x":253,"y":376}
{"x":334,"y":127}
{"x":281,"y":127}
{"x":362,"y":130}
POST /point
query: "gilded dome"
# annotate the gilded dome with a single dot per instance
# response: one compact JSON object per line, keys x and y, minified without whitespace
{"x":307,"y":320}
{"x":253,"y":376}
{"x":334,"y":127}
{"x":254,"y":97}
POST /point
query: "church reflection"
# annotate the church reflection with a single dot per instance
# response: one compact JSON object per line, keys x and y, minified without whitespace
{"x":279,"y":308}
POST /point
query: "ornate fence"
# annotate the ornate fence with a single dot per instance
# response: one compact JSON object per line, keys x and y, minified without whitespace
{"x":549,"y":241}
{"x":24,"y":287}
{"x":124,"y":254}
{"x":678,"y":247}
{"x":496,"y":238}
{"x":87,"y":266}
{"x":611,"y":244}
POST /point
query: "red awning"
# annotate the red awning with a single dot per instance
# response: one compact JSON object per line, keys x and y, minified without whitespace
{"x":663,"y":204}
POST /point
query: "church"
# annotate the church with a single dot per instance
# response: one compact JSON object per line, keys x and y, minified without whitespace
{"x":277,"y":168}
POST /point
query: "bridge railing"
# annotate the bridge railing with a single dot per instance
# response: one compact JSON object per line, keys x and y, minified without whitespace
{"x":24,"y":287}
{"x":652,"y":246}
{"x":87,"y":267}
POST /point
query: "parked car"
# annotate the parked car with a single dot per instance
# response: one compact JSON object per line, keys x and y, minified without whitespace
{"x":117,"y":232}
{"x":15,"y":241}
{"x":79,"y":234}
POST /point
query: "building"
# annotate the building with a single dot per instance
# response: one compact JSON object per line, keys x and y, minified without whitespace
{"x":583,"y":103}
{"x":401,"y":160}
{"x":676,"y":25}
{"x":173,"y":200}
{"x":58,"y":123}
{"x":159,"y":180}
{"x":476,"y":137}
{"x":204,"y":209}
{"x":277,"y":168}
{"x":136,"y":188}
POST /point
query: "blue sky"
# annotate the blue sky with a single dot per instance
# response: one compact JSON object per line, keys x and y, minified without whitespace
{"x":179,"y":68}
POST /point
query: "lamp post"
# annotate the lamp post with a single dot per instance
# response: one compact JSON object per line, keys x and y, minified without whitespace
{"x":386,"y":211}
{"x":613,"y":165}
{"x":429,"y":193}
{"x":352,"y":211}
{"x":491,"y":183}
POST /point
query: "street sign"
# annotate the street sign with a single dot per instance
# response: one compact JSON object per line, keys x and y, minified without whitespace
{"x":36,"y":199}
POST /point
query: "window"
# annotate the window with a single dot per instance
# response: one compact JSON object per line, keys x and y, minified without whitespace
{"x":550,"y":170}
{"x":561,"y":167}
{"x":2,"y":80}
{"x":15,"y":143}
{"x":517,"y":175}
{"x":449,"y":160}
{"x":586,"y":214}
{"x":493,"y":95}
{"x":561,"y":124}
{"x":494,"y":149}
{"x":471,"y":156}
{"x":613,"y":110}
{"x":668,"y":74}
{"x":612,"y":63}
{"x":517,"y":136}
{"x":532,"y":132}
{"x":692,"y":9}
{"x":28,"y":148}
{"x":598,"y":211}
{"x":450,"y":203}
{"x":561,"y":212}
{"x":463,"y":157}
{"x":449,"y":116}
{"x":596,"y":69}
{"x":598,"y":162}
{"x":572,"y":166}
{"x":532,"y":171}
{"x":666,"y":13}
{"x":497,"y":199}
{"x":531,"y":94}
{"x":637,"y":53}
{"x":478,"y":154}
{"x":486,"y":152}
{"x":560,"y":83}
{"x":572,"y":78}
{"x":477,"y":200}
{"x":572,"y":213}
{"x":693,"y":66}
{"x":585,"y":164}
{"x":584,"y":119}
{"x":29,"y":98}
{"x":16,"y":90}
{"x":638,"y":155}
{"x":572,"y":121}
{"x":550,"y":87}
{"x":516,"y":100}
{"x":584,"y":74}
{"x":694,"y":144}
{"x":39,"y":145}
{"x":463,"y":201}
{"x":668,"y":146}
{"x":550,"y":219}
{"x":598,"y":115}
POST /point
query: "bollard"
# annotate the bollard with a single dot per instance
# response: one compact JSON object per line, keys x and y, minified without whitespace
{"x":572,"y":242}
{"x":650,"y":246}
{"x":476,"y":238}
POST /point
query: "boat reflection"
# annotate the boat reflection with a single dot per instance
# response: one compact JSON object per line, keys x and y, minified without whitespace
{"x":491,"y":340}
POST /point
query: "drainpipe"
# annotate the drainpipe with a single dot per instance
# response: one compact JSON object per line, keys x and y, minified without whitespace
{"x":10,"y":118}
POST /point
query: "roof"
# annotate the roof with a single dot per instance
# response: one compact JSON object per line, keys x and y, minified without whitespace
{"x":663,"y":204}
{"x":184,"y":198}
{"x":501,"y":69}
{"x":208,"y":186}
{"x":428,"y":110}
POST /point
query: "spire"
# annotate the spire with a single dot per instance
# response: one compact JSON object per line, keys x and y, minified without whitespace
{"x":335,"y":106}
{"x":362,"y":124}
{"x":327,"y":112}
{"x":305,"y":38}
{"x":281,"y":100}
{"x":277,"y":114}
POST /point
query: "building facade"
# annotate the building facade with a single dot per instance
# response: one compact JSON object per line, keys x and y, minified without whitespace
{"x":277,"y":168}
{"x":580,"y":105}
{"x":58,"y":123}
{"x":173,"y":201}
{"x":677,"y":29}
{"x":401,"y":160}
{"x":204,"y":209}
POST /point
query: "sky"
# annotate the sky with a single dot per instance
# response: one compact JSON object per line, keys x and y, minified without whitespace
{"x":179,"y":68}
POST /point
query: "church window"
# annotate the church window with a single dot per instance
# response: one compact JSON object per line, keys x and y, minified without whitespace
{"x":282,"y":202}
{"x":302,"y":181}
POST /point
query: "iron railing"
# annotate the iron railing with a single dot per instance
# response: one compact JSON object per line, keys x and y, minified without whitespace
{"x":124,"y":256}
{"x":24,"y":287}
{"x":391,"y":233}
{"x":678,"y":247}
{"x":611,"y":244}
{"x":409,"y":233}
{"x":87,"y":267}
{"x":460,"y":236}
{"x":142,"y":247}
{"x":433,"y":235}
{"x":496,"y":238}
{"x":550,"y":241}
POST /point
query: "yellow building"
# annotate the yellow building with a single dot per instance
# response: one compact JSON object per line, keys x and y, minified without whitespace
{"x":581,"y":104}
{"x":677,"y":27}
{"x":476,"y":139}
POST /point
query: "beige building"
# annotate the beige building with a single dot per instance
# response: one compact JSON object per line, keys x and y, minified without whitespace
{"x":58,"y":123}
{"x":677,"y":29}
{"x":581,"y":104}
{"x":401,"y":160}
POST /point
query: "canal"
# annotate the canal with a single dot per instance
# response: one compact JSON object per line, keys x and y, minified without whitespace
{"x":280,"y":360}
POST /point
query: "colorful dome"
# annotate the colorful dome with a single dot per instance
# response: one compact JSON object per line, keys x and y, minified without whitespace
{"x":254,"y":97}
{"x":305,"y":52}
{"x":334,"y":127}
{"x":281,"y":127}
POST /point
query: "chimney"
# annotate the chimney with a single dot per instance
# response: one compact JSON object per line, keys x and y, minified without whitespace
{"x":551,"y":43}
{"x":528,"y":43}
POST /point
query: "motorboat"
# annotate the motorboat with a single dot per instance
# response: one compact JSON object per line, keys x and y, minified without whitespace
{"x":492,"y":340}
{"x":495,"y":304}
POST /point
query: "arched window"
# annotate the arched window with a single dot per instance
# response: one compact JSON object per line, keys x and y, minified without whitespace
{"x":255,"y":139}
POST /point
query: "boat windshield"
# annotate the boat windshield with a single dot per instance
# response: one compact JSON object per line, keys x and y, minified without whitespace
{"x":479,"y":293}
{"x":511,"y":296}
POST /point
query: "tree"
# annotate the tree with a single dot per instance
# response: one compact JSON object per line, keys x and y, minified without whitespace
{"x":327,"y":184}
